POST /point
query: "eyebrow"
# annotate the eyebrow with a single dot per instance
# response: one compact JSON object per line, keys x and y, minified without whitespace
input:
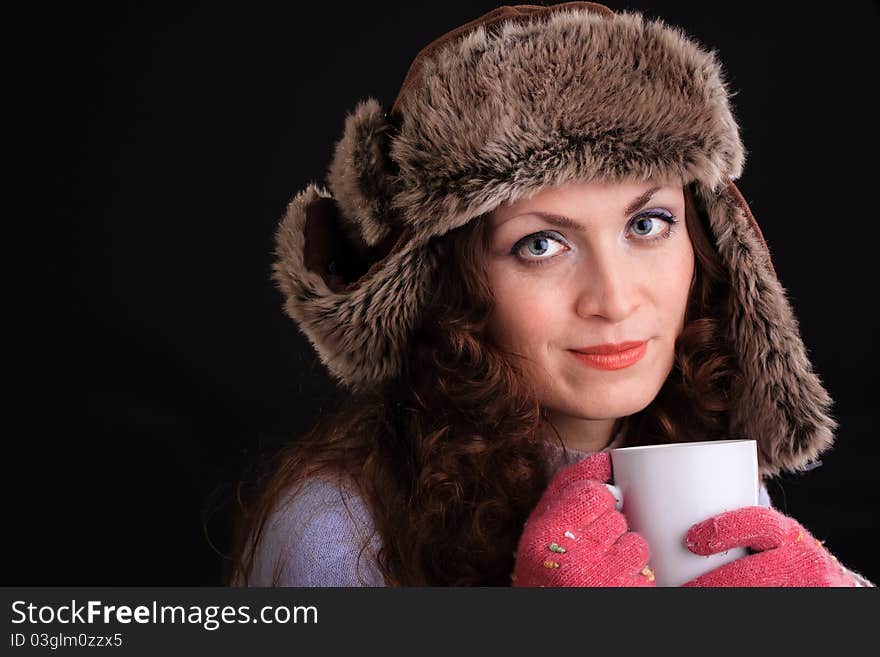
{"x":565,"y":222}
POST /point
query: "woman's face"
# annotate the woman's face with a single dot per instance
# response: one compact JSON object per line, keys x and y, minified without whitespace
{"x":589,"y":264}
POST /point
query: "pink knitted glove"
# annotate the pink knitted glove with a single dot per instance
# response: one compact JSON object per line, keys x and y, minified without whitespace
{"x":785,"y":553}
{"x":575,"y":536}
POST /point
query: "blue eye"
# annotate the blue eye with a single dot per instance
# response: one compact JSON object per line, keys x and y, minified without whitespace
{"x":642,"y":225}
{"x":647,"y":221}
{"x":543,"y":240}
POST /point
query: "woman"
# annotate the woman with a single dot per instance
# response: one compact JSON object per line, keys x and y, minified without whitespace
{"x":549,"y":180}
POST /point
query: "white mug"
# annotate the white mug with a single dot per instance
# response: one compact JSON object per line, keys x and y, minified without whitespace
{"x":665,"y":489}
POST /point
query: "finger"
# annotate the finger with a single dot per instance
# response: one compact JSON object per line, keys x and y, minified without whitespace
{"x":724,"y":576}
{"x":642,"y":580}
{"x":632,"y":549}
{"x":762,"y":569}
{"x":602,"y":533}
{"x":596,"y":468}
{"x":756,"y":527}
{"x":587,"y":501}
{"x":530,"y":572}
{"x":577,"y":505}
{"x":627,"y":559}
{"x":563,"y":521}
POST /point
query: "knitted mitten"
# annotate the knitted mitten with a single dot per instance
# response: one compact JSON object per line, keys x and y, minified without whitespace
{"x":575,"y":536}
{"x":785,"y":554}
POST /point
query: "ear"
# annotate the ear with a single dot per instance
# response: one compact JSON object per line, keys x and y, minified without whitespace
{"x":362,"y":174}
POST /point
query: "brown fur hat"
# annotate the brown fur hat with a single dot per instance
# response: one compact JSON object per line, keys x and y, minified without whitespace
{"x":521,"y":98}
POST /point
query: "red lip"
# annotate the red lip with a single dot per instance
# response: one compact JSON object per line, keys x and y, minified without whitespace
{"x":609,"y":348}
{"x":616,"y":360}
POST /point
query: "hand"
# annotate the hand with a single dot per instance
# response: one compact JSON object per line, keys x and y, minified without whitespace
{"x":785,"y":553}
{"x":575,"y":536}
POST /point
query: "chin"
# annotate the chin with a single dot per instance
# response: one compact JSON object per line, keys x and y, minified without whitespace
{"x":614,"y":402}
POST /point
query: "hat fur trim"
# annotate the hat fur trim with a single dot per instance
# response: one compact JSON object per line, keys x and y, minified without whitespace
{"x":572,"y":95}
{"x":358,"y":330}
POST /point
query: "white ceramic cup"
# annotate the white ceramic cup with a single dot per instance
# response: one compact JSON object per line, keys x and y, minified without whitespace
{"x":665,"y":489}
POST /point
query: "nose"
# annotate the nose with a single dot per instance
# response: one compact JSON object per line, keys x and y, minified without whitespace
{"x":609,"y":286}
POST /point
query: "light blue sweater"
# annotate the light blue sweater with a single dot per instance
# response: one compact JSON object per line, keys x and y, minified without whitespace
{"x":314,"y":538}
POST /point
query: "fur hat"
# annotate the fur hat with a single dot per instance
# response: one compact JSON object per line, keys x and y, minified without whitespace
{"x":521,"y":98}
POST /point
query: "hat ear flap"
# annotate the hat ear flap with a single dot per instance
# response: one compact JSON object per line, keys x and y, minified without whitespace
{"x":784,"y":405}
{"x":361,"y":175}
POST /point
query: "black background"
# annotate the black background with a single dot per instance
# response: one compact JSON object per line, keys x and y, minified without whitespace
{"x":150,"y":152}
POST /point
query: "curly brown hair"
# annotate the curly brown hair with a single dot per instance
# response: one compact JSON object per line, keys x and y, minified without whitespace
{"x":449,"y":457}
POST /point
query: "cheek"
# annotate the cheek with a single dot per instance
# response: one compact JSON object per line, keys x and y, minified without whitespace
{"x":677,"y":283}
{"x":525,"y":313}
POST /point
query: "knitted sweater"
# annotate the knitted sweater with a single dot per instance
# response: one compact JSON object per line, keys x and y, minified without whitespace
{"x":314,"y":538}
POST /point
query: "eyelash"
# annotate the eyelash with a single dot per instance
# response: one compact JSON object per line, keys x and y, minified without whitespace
{"x":655,"y":214}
